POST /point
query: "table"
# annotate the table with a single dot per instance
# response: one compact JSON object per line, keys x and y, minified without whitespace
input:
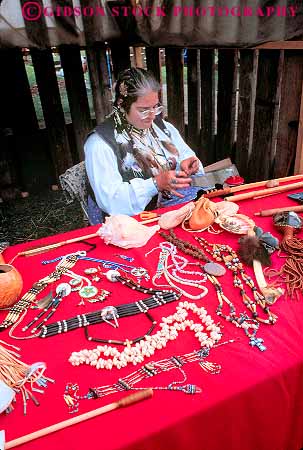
{"x":256,"y":402}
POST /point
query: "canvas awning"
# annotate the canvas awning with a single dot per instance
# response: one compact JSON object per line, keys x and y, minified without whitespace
{"x":159,"y":23}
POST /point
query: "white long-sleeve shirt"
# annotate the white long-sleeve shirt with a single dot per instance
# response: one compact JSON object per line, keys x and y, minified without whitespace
{"x":113,"y":195}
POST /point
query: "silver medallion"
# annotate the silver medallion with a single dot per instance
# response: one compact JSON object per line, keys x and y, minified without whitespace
{"x":214,"y":269}
{"x":63,"y":289}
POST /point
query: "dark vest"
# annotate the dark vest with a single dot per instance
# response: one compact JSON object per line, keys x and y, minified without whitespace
{"x":106,"y":131}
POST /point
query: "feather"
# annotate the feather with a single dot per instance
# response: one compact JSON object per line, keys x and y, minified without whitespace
{"x":145,"y":161}
{"x":45,"y":301}
{"x":170,"y":147}
{"x":251,"y":248}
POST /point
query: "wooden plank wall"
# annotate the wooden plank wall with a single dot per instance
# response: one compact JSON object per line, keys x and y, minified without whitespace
{"x":245,"y":104}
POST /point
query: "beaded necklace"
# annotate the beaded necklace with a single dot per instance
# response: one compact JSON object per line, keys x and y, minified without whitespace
{"x":250,"y":326}
{"x":225,"y":253}
{"x":138,"y":272}
{"x":169,"y":331}
{"x":149,"y":370}
{"x":24,"y":303}
{"x":162,"y":269}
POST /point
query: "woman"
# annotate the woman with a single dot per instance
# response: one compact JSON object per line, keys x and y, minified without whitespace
{"x":134,"y":160}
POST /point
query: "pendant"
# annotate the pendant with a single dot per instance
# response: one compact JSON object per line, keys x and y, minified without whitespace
{"x":90,"y":271}
{"x":112,"y":275}
{"x":63,"y":289}
{"x":88,"y":292}
{"x":110,"y":313}
{"x":214,"y":269}
{"x":140,"y":272}
{"x":257,"y":342}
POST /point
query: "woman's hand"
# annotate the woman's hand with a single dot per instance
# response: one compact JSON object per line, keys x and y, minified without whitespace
{"x":190,"y":165}
{"x":171,"y":180}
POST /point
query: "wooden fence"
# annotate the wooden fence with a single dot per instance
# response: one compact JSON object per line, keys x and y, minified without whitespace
{"x":242,"y":104}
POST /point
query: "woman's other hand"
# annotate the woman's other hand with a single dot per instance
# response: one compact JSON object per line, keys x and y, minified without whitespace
{"x":190,"y":165}
{"x":172,"y":180}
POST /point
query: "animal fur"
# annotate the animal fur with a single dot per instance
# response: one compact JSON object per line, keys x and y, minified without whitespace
{"x":251,"y":248}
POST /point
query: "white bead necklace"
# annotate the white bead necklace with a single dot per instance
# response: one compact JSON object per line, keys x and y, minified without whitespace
{"x":163,"y":267}
{"x":207,"y":333}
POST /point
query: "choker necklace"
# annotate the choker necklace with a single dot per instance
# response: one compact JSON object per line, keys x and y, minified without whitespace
{"x":109,"y":313}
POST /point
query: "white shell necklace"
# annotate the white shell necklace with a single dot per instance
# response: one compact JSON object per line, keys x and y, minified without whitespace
{"x":206,"y":331}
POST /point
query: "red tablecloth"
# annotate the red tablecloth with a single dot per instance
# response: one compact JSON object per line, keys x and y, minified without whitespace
{"x":256,"y":402}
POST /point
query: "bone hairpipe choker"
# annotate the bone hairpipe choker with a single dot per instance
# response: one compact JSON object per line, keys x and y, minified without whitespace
{"x":109,"y":313}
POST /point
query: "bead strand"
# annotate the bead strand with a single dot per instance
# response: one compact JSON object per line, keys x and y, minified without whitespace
{"x":225,"y":253}
{"x":249,"y":326}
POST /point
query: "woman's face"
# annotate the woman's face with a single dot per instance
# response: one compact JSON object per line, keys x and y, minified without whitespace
{"x":148,"y":101}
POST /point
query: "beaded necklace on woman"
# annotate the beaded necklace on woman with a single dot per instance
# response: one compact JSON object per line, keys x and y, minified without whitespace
{"x":144,"y":153}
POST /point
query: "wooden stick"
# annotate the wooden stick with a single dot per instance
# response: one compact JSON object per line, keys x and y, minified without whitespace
{"x":126,"y":401}
{"x":155,"y":219}
{"x":243,"y":187}
{"x":271,"y":212}
{"x":256,"y":197}
{"x":275,"y":190}
{"x":35,"y":251}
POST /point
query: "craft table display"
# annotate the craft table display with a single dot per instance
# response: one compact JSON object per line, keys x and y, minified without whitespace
{"x":256,"y":402}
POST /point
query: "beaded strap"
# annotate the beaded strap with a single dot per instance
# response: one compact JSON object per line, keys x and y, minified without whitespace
{"x":24,"y":303}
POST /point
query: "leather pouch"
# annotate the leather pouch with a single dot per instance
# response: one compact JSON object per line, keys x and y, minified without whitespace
{"x":203,"y":215}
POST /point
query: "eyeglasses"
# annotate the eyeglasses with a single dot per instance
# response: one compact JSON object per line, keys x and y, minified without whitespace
{"x":158,"y":109}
